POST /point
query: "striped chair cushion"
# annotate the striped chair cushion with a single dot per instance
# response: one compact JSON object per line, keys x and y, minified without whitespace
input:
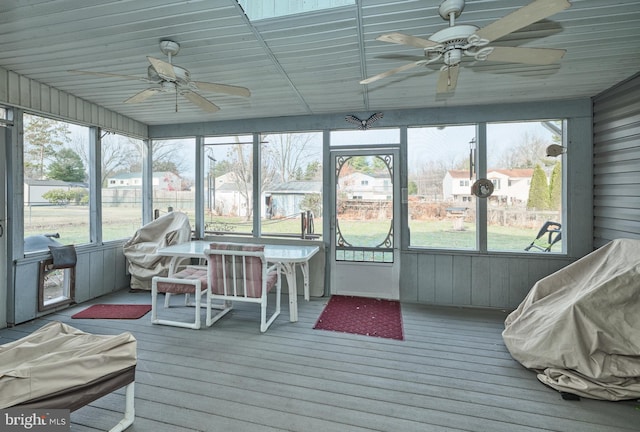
{"x":189,"y":273}
{"x":253,"y":266}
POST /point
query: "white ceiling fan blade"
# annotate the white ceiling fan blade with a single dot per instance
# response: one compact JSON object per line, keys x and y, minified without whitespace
{"x":448,"y":79}
{"x":109,"y":75}
{"x":536,"y":56}
{"x":404,"y":39}
{"x":164,"y":69}
{"x":203,"y":103}
{"x":223,"y":88}
{"x":390,"y":72}
{"x":142,"y":96}
{"x":522,"y":17}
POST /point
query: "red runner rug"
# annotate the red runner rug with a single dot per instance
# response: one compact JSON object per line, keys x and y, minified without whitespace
{"x":364,"y":316}
{"x":113,"y":311}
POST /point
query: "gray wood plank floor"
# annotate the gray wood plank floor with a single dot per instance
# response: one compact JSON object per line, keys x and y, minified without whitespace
{"x":451,"y":373}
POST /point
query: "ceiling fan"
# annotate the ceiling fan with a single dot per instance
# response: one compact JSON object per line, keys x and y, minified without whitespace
{"x":166,"y":77}
{"x":452,"y":43}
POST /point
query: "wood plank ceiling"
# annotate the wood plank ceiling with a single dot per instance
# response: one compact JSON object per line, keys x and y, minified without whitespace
{"x":307,"y":63}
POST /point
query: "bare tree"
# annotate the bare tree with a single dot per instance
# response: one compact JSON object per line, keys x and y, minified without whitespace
{"x":529,"y":151}
{"x":288,"y":155}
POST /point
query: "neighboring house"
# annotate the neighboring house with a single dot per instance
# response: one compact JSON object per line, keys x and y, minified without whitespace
{"x":285,"y":198}
{"x":511,"y":186}
{"x":456,"y":186}
{"x":34,"y":189}
{"x":229,"y":200}
{"x":366,"y":187}
{"x":162,"y":180}
{"x":224,"y":194}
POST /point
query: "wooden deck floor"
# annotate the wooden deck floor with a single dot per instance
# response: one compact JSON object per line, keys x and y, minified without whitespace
{"x":451,"y":373}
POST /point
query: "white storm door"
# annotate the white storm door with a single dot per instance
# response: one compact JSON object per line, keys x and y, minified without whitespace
{"x":365,"y":215}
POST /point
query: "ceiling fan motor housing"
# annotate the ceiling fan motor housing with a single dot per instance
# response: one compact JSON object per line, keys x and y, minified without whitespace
{"x":449,"y":7}
{"x":183,"y":77}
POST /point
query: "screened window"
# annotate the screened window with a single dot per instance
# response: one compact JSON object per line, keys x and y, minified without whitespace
{"x":442,"y":211}
{"x":516,"y":155}
{"x":121,"y":186}
{"x":291,"y":184}
{"x":524,"y":212}
{"x":228,"y":171}
{"x":56,"y":188}
{"x":173,"y":177}
{"x":365,"y":137}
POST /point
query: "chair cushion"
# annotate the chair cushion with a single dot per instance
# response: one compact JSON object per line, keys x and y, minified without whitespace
{"x":253,"y":266}
{"x":189,"y":273}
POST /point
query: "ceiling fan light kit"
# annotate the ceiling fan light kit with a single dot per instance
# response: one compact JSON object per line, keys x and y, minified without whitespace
{"x":453,"y":43}
{"x":167,"y":77}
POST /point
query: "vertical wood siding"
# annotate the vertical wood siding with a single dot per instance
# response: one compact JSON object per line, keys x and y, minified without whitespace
{"x":98,"y":272}
{"x":19,"y":91}
{"x":492,"y":281}
{"x":616,"y":146}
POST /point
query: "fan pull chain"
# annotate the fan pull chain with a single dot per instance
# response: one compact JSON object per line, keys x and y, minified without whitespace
{"x":176,"y":97}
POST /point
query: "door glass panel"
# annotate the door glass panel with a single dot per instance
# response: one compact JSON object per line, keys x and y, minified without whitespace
{"x":364,"y":208}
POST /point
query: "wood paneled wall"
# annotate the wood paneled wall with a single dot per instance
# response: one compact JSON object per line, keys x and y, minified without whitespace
{"x":491,"y":281}
{"x":22,"y":92}
{"x":100,"y":270}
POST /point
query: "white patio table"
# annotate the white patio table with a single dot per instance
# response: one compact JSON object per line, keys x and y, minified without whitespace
{"x":288,"y":256}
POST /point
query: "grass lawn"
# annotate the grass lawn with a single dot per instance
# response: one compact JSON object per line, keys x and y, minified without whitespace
{"x":72,"y":222}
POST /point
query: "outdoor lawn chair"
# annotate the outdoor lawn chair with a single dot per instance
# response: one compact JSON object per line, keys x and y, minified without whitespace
{"x":240,"y":273}
{"x":190,"y":281}
{"x":549,"y":234}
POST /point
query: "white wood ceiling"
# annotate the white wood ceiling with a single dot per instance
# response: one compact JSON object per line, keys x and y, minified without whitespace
{"x":305,"y":64}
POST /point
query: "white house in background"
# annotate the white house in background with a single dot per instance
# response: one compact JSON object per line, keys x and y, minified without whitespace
{"x":162,"y":180}
{"x":511,"y":186}
{"x":456,"y":186}
{"x":225,"y":194}
{"x":366,"y":187}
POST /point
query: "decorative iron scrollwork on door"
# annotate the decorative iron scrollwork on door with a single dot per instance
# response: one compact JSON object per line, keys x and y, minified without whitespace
{"x":364,"y":199}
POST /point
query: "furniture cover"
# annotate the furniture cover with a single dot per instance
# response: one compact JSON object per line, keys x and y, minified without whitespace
{"x":56,"y":360}
{"x":579,"y":328}
{"x":140,"y":250}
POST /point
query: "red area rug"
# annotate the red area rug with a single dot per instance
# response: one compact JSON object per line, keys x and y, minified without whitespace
{"x":113,"y":311}
{"x":363,"y":316}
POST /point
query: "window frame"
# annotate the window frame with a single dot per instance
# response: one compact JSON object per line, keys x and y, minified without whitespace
{"x":480,"y":162}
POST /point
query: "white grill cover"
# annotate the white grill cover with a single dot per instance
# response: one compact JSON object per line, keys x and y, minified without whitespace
{"x":140,"y":251}
{"x":580,"y":327}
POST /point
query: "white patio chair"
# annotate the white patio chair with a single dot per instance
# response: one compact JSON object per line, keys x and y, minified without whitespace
{"x":239,"y":272}
{"x":190,"y":281}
